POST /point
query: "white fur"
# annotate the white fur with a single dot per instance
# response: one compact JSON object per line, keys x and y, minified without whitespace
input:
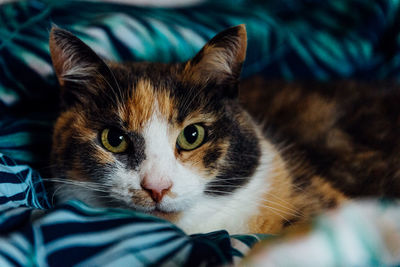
{"x":160,"y":159}
{"x":233,"y":211}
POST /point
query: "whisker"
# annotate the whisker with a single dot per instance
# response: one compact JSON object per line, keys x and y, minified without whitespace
{"x":54,"y":194}
{"x":116,"y":82}
{"x":263,"y":205}
{"x":109,"y":85}
{"x":292,"y":208}
{"x":86,"y":185}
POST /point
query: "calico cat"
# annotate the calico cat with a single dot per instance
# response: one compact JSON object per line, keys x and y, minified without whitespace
{"x":180,"y":142}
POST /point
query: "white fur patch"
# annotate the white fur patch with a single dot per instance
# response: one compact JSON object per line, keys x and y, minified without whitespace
{"x":231,"y":212}
{"x":161,"y":160}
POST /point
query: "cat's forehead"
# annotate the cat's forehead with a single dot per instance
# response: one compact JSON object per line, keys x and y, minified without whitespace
{"x":143,"y":102}
{"x":158,"y":90}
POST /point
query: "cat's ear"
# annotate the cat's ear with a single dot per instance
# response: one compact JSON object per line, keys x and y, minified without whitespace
{"x":72,"y":59}
{"x":220,"y":60}
{"x":80,"y":71}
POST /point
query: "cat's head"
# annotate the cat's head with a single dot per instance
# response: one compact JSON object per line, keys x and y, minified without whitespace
{"x":150,"y":136}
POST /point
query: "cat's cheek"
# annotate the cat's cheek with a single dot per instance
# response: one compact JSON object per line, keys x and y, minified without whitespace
{"x":125,"y":187}
{"x":68,"y":192}
{"x":123,"y":178}
{"x":187,"y":189}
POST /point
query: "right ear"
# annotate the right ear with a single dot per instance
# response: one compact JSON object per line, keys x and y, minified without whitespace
{"x":220,"y":61}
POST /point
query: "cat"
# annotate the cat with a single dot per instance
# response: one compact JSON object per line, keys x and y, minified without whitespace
{"x":181,"y":142}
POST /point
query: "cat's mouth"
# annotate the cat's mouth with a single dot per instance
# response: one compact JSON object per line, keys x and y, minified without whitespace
{"x":166,"y":208}
{"x":158,"y":209}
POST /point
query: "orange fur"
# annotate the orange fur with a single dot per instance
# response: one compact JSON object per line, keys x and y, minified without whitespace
{"x":142,"y":103}
{"x":281,"y":206}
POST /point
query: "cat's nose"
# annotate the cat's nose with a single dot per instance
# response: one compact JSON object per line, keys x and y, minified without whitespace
{"x":157,"y":188}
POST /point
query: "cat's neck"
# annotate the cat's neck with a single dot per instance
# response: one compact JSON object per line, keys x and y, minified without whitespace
{"x":239,"y":211}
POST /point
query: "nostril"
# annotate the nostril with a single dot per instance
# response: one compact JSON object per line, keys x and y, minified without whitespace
{"x":156,"y":190}
{"x":157,"y":196}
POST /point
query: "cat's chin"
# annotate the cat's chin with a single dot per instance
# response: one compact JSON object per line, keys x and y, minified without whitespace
{"x":167,"y":212}
{"x":167,"y":215}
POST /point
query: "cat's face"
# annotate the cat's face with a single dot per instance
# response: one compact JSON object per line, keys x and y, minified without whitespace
{"x":153,"y":137}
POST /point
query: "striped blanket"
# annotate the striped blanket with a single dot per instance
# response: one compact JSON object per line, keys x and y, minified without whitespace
{"x":303,"y":39}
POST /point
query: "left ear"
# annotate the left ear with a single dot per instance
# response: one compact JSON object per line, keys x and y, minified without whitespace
{"x":220,"y":60}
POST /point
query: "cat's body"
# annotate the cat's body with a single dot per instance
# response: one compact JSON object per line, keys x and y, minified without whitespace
{"x":173,"y":140}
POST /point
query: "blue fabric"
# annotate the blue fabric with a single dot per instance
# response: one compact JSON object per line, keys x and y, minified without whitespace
{"x":21,"y":186}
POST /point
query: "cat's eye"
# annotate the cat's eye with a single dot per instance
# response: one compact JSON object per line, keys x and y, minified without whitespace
{"x":191,"y":137}
{"x":114,"y":140}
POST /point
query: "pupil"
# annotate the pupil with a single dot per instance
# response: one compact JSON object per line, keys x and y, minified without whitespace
{"x":190,"y":134}
{"x":115,"y":138}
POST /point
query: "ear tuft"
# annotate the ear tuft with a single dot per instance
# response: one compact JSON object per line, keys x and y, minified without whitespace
{"x":72,"y":59}
{"x":221,"y":59}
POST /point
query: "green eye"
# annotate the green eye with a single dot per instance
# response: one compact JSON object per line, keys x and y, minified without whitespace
{"x":114,"y":140}
{"x":191,"y":137}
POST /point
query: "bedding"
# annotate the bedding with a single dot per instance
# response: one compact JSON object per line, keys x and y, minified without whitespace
{"x":304,"y":39}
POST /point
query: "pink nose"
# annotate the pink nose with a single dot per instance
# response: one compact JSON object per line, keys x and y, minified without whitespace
{"x":157,"y":188}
